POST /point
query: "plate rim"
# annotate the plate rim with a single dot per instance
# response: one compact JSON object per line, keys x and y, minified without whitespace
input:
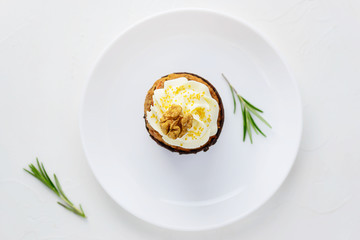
{"x":258,"y":33}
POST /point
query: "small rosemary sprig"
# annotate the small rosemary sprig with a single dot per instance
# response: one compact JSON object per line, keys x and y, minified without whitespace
{"x":41,"y":174}
{"x":247,"y":110}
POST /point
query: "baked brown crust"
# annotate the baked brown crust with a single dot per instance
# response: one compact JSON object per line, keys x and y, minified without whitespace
{"x":149,"y":102}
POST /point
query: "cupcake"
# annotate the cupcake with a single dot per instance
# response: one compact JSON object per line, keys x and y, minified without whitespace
{"x":183,"y":112}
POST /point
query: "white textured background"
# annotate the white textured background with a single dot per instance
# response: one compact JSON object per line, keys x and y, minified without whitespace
{"x":47,"y":50}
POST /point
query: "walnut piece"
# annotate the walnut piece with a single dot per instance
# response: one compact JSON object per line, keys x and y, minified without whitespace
{"x":186,"y":123}
{"x":173,"y":112}
{"x":174,"y":124}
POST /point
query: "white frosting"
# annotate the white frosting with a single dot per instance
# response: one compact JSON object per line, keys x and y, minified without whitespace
{"x":194,"y":98}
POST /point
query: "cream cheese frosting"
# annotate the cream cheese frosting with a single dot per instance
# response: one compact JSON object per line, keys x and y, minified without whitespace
{"x":195,"y":99}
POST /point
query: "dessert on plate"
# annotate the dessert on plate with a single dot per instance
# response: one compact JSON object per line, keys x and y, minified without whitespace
{"x":183,"y":112}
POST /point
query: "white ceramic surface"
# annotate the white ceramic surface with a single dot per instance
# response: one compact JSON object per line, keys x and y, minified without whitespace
{"x":206,"y":190}
{"x":48,"y":50}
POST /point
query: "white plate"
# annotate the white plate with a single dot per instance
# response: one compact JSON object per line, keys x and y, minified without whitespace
{"x":205,"y":190}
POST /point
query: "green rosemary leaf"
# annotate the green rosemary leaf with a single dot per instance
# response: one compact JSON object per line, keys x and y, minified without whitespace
{"x":260,"y":117}
{"x":62,"y":194}
{"x":68,"y":208}
{"x":253,"y":124}
{"x":233,"y":95}
{"x":252,"y":106}
{"x":256,"y":128}
{"x":52,"y":186}
{"x":244,"y":121}
{"x":30,"y":172}
{"x":248,"y":125}
{"x":41,"y":174}
{"x":248,"y":111}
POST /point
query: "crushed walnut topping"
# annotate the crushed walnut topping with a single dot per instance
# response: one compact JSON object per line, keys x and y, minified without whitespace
{"x":174,"y":123}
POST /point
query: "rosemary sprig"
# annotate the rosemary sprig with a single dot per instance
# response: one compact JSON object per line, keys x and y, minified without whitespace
{"x":41,"y":174}
{"x":247,"y":110}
